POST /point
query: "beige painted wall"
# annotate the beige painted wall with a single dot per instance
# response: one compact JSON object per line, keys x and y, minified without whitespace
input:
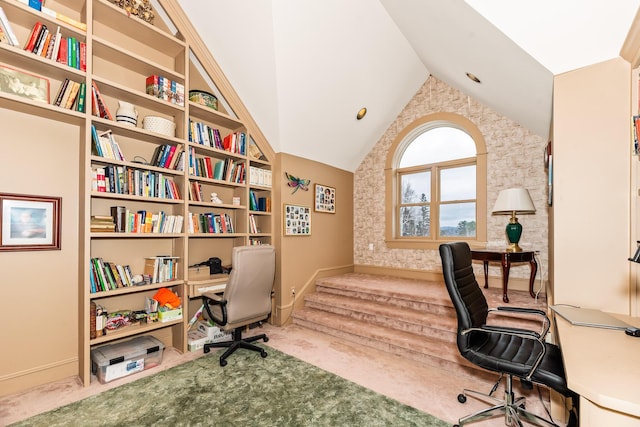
{"x":39,"y":317}
{"x":328,"y":250}
{"x":592,"y":155}
{"x":515,"y":158}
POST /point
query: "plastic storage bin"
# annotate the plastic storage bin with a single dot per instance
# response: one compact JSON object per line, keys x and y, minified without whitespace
{"x":113,"y":361}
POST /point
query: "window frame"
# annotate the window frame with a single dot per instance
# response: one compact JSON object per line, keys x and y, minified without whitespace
{"x":393,"y":238}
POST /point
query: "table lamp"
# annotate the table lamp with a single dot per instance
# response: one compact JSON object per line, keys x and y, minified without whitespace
{"x":510,"y":202}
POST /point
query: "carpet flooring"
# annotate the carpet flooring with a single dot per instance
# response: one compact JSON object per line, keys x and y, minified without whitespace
{"x":249,"y":391}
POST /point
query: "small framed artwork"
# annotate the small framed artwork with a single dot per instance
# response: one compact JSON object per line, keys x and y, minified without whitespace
{"x":29,"y":223}
{"x":297,"y":220}
{"x":325,"y":199}
{"x":24,"y":84}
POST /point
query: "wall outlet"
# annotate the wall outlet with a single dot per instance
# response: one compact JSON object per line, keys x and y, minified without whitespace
{"x":370,"y":246}
{"x":293,"y":291}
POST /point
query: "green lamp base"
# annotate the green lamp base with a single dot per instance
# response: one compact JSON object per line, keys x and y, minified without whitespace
{"x":514,"y":231}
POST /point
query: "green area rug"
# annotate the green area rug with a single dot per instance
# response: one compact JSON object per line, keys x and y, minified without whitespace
{"x":250,"y":391}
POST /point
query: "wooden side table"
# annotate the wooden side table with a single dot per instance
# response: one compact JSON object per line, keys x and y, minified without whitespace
{"x":506,"y":258}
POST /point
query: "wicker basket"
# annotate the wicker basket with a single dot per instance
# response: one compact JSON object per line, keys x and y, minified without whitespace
{"x":159,"y":125}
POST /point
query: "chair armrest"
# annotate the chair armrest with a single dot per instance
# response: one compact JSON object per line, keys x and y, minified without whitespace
{"x":209,"y":298}
{"x":546,"y":323}
{"x":522,"y":333}
{"x":522,"y":310}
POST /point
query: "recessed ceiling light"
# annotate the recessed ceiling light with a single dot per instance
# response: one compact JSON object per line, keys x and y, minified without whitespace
{"x":361,"y":113}
{"x":473,"y":78}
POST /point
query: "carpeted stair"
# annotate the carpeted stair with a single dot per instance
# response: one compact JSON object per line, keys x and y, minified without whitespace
{"x":410,"y":318}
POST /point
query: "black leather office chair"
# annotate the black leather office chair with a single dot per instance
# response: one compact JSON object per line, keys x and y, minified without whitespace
{"x":246,"y":299}
{"x":510,"y":351}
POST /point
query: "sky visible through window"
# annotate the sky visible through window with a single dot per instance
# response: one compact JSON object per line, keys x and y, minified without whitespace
{"x":437,"y":145}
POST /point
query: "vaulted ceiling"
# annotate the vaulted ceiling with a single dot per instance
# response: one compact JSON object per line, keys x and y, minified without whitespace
{"x":304,"y":68}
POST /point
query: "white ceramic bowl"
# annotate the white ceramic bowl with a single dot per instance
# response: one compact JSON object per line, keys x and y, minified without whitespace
{"x":159,"y":125}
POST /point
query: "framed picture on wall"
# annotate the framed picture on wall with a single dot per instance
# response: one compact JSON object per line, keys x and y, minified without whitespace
{"x":29,"y":223}
{"x":297,"y":220}
{"x":24,"y":84}
{"x":325,"y":200}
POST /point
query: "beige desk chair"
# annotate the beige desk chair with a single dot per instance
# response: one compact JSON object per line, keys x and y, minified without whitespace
{"x":246,"y":299}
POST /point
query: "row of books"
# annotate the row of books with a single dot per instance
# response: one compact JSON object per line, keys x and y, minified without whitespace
{"x":235,"y":142}
{"x":106,"y":276}
{"x":105,"y":145}
{"x":168,"y":156}
{"x":71,"y":95}
{"x":142,"y":221}
{"x":161,"y":268}
{"x":259,"y":176}
{"x":210,"y":223}
{"x":262,"y":204}
{"x":52,"y":45}
{"x":165,"y":89}
{"x":203,"y":134}
{"x":124,"y":180}
{"x":224,"y":170}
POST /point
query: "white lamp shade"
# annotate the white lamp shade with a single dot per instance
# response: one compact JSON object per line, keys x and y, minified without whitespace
{"x":514,"y":200}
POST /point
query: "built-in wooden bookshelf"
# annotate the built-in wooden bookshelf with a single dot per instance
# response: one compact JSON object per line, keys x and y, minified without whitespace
{"x":122,"y":51}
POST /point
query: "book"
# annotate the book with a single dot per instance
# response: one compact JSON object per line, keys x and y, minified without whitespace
{"x":73,"y":57}
{"x":82,"y":56}
{"x":73,"y":93}
{"x":56,"y":45}
{"x":35,"y":32}
{"x":82,"y":94}
{"x":63,"y":87}
{"x":44,"y":43}
{"x":40,"y":39}
{"x":103,"y":110}
{"x":80,"y":25}
{"x":6,"y":26}
{"x":67,"y":93}
{"x":62,"y":51}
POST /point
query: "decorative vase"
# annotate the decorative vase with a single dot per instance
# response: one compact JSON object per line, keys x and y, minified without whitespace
{"x":126,"y":114}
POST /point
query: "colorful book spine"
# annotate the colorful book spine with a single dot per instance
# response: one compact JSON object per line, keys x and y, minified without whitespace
{"x":31,"y":41}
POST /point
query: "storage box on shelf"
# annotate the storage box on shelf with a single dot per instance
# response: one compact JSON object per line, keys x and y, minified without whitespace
{"x":113,"y":361}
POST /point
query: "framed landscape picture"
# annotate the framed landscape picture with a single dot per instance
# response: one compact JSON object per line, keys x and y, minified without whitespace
{"x":325,"y":200}
{"x":297,"y":220}
{"x":29,"y":223}
{"x":26,"y":85}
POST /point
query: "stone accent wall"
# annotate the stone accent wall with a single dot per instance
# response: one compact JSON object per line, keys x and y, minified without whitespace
{"x":515,"y":158}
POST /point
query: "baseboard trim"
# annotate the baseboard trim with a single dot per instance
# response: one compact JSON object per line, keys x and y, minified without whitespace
{"x":16,"y":382}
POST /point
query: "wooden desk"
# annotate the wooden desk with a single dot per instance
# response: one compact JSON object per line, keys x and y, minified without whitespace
{"x":602,"y":367}
{"x":506,"y":258}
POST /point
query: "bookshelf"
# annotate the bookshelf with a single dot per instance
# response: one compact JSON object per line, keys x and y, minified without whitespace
{"x":121,"y":53}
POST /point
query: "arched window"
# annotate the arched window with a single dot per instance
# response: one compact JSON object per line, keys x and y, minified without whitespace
{"x":436,"y":183}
